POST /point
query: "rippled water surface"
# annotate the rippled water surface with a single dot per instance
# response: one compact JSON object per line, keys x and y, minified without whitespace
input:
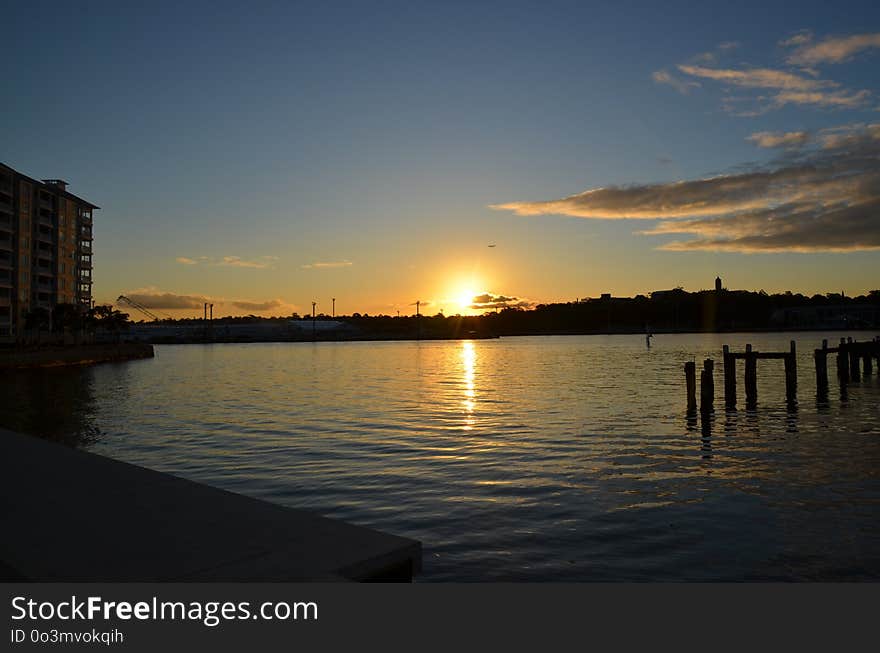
{"x":545,"y":458}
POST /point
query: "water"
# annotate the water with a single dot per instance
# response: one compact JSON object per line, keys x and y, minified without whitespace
{"x":544,"y":458}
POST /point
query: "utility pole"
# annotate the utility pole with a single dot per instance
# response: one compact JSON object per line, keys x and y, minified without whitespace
{"x":418,"y":321}
{"x":313,"y":319}
{"x":334,"y":307}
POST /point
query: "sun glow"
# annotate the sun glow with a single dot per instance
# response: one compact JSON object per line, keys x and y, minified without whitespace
{"x":465,"y":298}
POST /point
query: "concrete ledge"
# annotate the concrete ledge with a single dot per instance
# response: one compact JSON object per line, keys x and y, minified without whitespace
{"x":72,"y":516}
{"x":74,"y":355}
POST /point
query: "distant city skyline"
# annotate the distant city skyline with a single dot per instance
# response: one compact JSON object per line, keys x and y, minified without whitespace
{"x":516,"y":153}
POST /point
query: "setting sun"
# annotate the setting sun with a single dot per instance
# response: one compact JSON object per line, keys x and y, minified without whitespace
{"x":465,"y":299}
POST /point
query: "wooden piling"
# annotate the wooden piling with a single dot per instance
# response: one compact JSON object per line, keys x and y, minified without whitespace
{"x":751,"y":377}
{"x":821,"y":356}
{"x":729,"y":378}
{"x":868,"y":361}
{"x":854,"y":373}
{"x":842,"y":362}
{"x":791,"y":374}
{"x":707,"y":386}
{"x":690,"y":375}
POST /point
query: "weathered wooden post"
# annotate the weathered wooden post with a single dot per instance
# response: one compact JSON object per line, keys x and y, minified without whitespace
{"x":821,"y":356}
{"x":868,"y":361}
{"x":690,"y":375}
{"x":751,"y":377}
{"x":842,"y":362}
{"x":729,"y":377}
{"x":707,"y":386}
{"x":854,"y":373}
{"x":791,"y":374}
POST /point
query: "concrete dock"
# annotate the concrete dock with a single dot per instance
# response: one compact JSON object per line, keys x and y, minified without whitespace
{"x":73,"y":355}
{"x":68,"y":515}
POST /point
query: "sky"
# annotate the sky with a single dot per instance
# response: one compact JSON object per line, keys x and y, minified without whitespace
{"x":266,"y":155}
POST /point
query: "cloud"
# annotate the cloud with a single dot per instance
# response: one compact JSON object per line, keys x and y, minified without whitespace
{"x":779,"y":139}
{"x":230,"y":261}
{"x":757,"y":78}
{"x":790,"y":88}
{"x":683,"y":87}
{"x":728,"y":45}
{"x":269,"y":305}
{"x":155,"y":299}
{"x":327,"y":264}
{"x":490,"y":301}
{"x":238,"y":262}
{"x":833,"y":50}
{"x":168,"y":300}
{"x":840,"y":99}
{"x":821,"y":198}
{"x":797,"y":39}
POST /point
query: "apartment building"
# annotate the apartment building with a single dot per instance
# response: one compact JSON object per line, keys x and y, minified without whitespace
{"x":45,"y":249}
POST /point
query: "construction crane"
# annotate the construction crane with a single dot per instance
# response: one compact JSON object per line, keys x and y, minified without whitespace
{"x":143,"y":309}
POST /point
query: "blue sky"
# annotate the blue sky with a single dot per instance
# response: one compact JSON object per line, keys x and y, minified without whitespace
{"x":230,"y":146}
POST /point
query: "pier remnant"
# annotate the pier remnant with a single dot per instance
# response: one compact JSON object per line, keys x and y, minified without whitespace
{"x":751,"y":377}
{"x":821,"y":358}
{"x":707,"y":386}
{"x":851,"y":357}
{"x":790,"y":362}
{"x":854,"y":373}
{"x":729,"y":363}
{"x":842,"y":362}
{"x":690,"y":375}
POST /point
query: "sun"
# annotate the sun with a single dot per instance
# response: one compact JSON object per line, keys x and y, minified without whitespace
{"x":465,"y":298}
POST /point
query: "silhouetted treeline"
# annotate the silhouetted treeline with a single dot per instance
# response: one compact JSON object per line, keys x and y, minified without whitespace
{"x":678,"y":310}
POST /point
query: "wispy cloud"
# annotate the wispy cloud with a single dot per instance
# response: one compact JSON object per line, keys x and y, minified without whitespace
{"x":799,"y":38}
{"x":757,"y":78}
{"x":824,"y":198}
{"x":682,"y":86}
{"x":832,"y":50}
{"x":839,"y":99}
{"x":327,"y":264}
{"x":238,"y":262}
{"x":796,"y":82}
{"x":779,"y":139}
{"x":262,"y":262}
